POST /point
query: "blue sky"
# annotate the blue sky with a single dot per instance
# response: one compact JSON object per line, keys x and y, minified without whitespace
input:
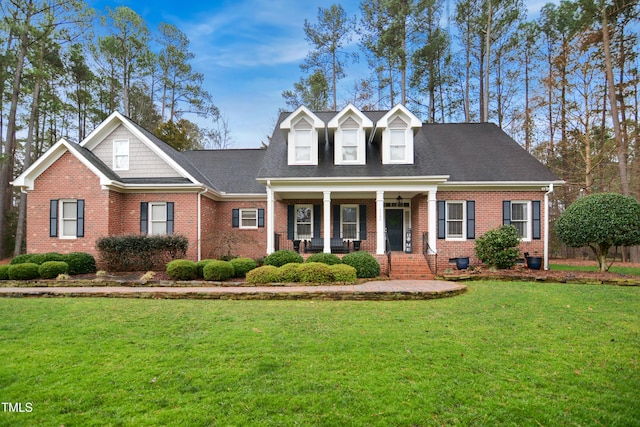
{"x":248,"y":50}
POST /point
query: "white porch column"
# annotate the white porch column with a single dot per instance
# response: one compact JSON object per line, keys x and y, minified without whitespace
{"x":270,"y":221}
{"x":380,"y":242}
{"x":433,"y":221}
{"x":327,"y":222}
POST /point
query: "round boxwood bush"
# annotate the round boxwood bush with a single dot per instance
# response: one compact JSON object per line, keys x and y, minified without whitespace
{"x":21,"y":259}
{"x":264,"y":274}
{"x":364,"y":263}
{"x":280,"y":258}
{"x":52,"y":269}
{"x":289,"y":272}
{"x":80,"y":263}
{"x":242,"y":265}
{"x":4,"y":272}
{"x":329,"y":259}
{"x":25,"y":271}
{"x":200,"y":267}
{"x":182,"y":269}
{"x":218,"y":270}
{"x":343,"y":273}
{"x":315,"y":272}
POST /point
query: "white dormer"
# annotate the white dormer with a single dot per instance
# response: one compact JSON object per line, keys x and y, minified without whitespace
{"x":350,"y":129}
{"x":398,"y":127}
{"x":302,"y":138}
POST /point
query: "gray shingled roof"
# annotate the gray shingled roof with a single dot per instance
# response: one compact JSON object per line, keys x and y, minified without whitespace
{"x":232,"y":171}
{"x":95,"y":161}
{"x":479,"y":152}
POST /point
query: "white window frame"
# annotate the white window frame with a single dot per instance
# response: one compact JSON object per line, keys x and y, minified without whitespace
{"x":153,"y":221}
{"x":242,"y":218}
{"x":389,"y":141}
{"x":449,"y":236}
{"x":343,"y":222}
{"x":303,"y":136}
{"x":64,"y":219}
{"x":302,"y":140}
{"x":121,"y":151}
{"x":297,"y":235}
{"x":527,"y":221}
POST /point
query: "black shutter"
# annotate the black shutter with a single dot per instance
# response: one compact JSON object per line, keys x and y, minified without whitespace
{"x":316,"y":220}
{"x":235,"y":218}
{"x":506,"y":212}
{"x":442,"y":219}
{"x":169,"y":217}
{"x":291,"y":221}
{"x":80,"y":218}
{"x":535,"y":207}
{"x":260,"y":217}
{"x":363,"y":222}
{"x":144,"y":217}
{"x":336,"y":221}
{"x":53,"y":218}
{"x":471,"y":219}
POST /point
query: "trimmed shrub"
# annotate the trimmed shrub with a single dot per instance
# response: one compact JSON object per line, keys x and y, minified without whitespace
{"x":499,"y":247}
{"x":364,"y":263}
{"x":315,"y":272}
{"x":264,"y":274}
{"x":182,"y":269}
{"x":218,"y":270}
{"x":140,"y":252}
{"x":52,"y":269}
{"x":25,"y":271}
{"x":21,"y":259}
{"x":4,"y":272}
{"x":289,"y":272}
{"x":200,"y":267}
{"x":242,"y":265}
{"x":285,"y":256}
{"x":343,"y":273}
{"x":80,"y":263}
{"x":329,"y":259}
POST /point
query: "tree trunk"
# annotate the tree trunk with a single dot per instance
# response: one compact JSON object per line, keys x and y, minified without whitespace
{"x":485,"y":100}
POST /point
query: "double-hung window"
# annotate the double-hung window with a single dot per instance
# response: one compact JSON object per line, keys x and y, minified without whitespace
{"x":66,"y":218}
{"x":156,"y":217}
{"x":349,"y":222}
{"x":248,"y":218}
{"x":525,"y":216}
{"x":121,"y":154}
{"x":350,"y":145}
{"x":304,"y":222}
{"x":455,"y":220}
{"x":397,"y":145}
{"x":520,"y":218}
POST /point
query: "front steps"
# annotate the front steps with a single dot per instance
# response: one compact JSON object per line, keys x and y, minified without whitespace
{"x":409,"y":267}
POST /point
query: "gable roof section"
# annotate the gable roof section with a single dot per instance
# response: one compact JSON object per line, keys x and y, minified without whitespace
{"x":26,"y":179}
{"x":466,"y":153}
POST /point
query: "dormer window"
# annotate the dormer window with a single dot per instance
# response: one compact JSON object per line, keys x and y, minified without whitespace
{"x":397,"y":135}
{"x":350,"y":136}
{"x":302,"y":139}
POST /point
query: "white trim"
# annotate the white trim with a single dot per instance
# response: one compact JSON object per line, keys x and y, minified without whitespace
{"x":296,"y":236}
{"x":121,"y":143}
{"x":357,"y":222}
{"x":464,"y":221}
{"x":240,"y":218}
{"x":350,"y":111}
{"x":151,"y":221}
{"x":61,"y":219}
{"x":528,"y":221}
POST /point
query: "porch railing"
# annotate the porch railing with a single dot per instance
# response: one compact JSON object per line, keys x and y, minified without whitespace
{"x":431,"y":258}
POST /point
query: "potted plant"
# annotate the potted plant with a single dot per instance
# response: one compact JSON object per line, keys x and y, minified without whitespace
{"x":462,"y":262}
{"x":533,"y":262}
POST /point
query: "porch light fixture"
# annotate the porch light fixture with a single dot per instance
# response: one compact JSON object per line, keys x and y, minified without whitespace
{"x":399,"y":199}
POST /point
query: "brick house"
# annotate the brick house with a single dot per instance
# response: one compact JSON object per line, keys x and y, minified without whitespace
{"x":328,"y":181}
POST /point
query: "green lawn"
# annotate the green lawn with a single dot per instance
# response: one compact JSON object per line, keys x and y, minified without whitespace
{"x":504,"y":353}
{"x":620,"y":269}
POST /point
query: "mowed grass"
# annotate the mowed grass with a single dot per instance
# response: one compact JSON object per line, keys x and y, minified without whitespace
{"x":620,"y":269}
{"x":517,"y":354}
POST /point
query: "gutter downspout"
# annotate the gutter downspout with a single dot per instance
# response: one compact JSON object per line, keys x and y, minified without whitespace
{"x":200,"y":193}
{"x":546,"y":226}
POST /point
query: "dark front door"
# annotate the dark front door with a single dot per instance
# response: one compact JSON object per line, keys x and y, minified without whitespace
{"x":395,"y":228}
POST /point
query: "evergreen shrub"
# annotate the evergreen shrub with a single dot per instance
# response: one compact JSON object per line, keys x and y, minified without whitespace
{"x":315,"y":272}
{"x":364,"y":263}
{"x":182,"y":269}
{"x":25,"y":271}
{"x":52,"y":269}
{"x":242,"y":266}
{"x":329,"y":259}
{"x":343,"y":273}
{"x":282,"y":257}
{"x":4,"y":272}
{"x":264,"y":274}
{"x":218,"y":270}
{"x":289,"y":273}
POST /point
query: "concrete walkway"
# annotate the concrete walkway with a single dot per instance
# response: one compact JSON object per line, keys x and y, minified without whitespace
{"x":377,"y":290}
